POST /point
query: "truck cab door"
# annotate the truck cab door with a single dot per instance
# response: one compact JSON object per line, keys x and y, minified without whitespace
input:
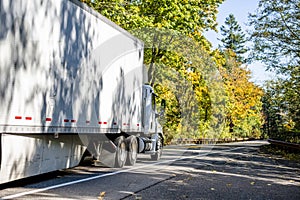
{"x":148,"y":109}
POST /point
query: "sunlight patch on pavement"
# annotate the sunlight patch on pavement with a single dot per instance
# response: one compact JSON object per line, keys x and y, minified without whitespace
{"x":252,"y":177}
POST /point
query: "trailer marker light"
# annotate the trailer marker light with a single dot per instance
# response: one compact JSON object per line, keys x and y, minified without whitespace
{"x":73,"y":121}
{"x":87,"y":122}
{"x":138,"y":125}
{"x":28,"y":118}
{"x":48,"y":119}
{"x":104,"y":122}
{"x":99,"y":122}
{"x":66,"y":120}
{"x":115,"y":123}
{"x":18,"y":117}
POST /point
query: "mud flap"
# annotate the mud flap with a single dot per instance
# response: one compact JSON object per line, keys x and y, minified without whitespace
{"x":107,"y":155}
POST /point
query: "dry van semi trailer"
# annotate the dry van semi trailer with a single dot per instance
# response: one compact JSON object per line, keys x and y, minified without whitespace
{"x":71,"y":82}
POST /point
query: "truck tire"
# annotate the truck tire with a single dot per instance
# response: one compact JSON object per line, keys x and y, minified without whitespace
{"x":121,"y":152}
{"x":132,"y":148}
{"x":159,"y":147}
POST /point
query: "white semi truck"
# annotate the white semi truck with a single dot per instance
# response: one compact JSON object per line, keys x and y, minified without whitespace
{"x":71,"y":82}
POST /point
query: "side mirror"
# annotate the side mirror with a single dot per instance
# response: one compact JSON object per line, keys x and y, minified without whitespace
{"x":163,"y":106}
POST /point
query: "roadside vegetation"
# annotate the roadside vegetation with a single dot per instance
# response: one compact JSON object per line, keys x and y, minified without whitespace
{"x":208,"y":91}
{"x":276,"y":39}
{"x":278,"y":152}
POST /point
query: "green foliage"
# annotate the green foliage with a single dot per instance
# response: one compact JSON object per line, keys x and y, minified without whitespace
{"x":276,"y":33}
{"x":281,"y":106}
{"x":193,"y":103}
{"x":233,"y":37}
{"x":189,"y":17}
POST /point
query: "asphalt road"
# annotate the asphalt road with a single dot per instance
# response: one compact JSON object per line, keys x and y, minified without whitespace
{"x":223,"y":171}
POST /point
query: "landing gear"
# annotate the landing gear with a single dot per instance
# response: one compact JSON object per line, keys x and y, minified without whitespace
{"x":132,"y":149}
{"x":121,"y":153}
{"x":159,"y":147}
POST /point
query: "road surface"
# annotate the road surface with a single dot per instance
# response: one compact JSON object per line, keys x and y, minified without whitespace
{"x":222,"y":171}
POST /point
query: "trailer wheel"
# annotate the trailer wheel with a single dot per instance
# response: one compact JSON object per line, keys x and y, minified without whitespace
{"x":159,"y":147}
{"x":132,"y":148}
{"x":121,"y":153}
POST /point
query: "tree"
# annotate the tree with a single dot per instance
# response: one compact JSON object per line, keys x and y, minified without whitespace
{"x":282,"y":109}
{"x":276,"y":34}
{"x":243,"y":102}
{"x":291,"y":89}
{"x":276,"y":38}
{"x":233,"y":37}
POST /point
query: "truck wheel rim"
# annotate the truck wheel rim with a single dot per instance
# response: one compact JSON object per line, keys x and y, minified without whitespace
{"x":134,"y":150}
{"x":122,"y":152}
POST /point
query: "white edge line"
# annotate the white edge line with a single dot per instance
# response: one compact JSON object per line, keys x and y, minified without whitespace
{"x":105,"y":175}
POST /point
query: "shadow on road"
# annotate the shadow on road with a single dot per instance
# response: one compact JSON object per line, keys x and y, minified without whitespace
{"x":231,"y":171}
